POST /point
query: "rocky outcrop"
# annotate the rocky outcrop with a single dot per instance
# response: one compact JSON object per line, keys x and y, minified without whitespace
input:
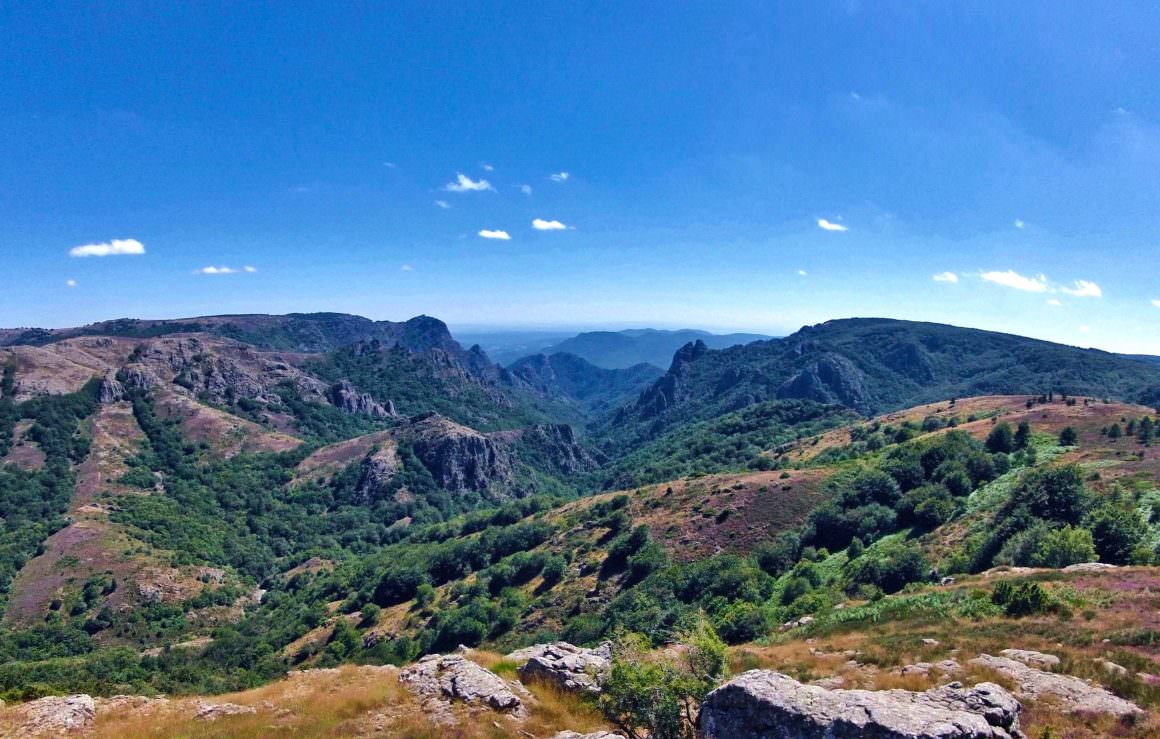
{"x":761,"y":704}
{"x":111,"y":391}
{"x":593,"y":735}
{"x":56,"y":715}
{"x":1038,"y":660}
{"x":830,"y":378}
{"x":460,"y":458}
{"x":1070,"y":693}
{"x":569,"y":668}
{"x":214,"y":711}
{"x":558,"y":446}
{"x":377,"y":472}
{"x":348,"y":399}
{"x":443,"y":679}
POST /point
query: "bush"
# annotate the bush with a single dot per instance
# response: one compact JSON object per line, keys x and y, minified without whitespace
{"x":890,"y":568}
{"x":1001,"y":439}
{"x":661,"y":696}
{"x":1068,"y":437}
{"x":778,"y":556}
{"x":1022,"y":599}
{"x":1062,"y":547}
{"x":1117,"y":533}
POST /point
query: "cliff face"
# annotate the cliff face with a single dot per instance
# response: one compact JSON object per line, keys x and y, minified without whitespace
{"x":460,"y":458}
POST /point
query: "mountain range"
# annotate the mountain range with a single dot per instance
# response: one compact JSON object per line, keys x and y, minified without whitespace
{"x":207,"y":502}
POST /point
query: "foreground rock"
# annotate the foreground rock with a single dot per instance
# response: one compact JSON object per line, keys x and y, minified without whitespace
{"x":593,"y":735}
{"x":441,"y":679}
{"x":214,"y":711}
{"x":56,"y":715}
{"x":1071,"y":693}
{"x":570,"y":668}
{"x":761,"y":704}
{"x":1038,"y":660}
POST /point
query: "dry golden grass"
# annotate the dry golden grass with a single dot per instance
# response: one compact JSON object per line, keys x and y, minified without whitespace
{"x":349,"y":701}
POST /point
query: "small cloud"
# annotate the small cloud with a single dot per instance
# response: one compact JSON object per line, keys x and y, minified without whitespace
{"x":1084,"y":329}
{"x":1121,"y":111}
{"x":487,"y":167}
{"x":526,"y":189}
{"x":946,"y":277}
{"x":407,"y":268}
{"x":463,"y":183}
{"x":855,"y":96}
{"x":389,"y":165}
{"x":828,"y":226}
{"x":541,"y":225}
{"x":211,"y":270}
{"x":299,"y":189}
{"x":1016,"y":281}
{"x":559,"y":177}
{"x":802,"y":273}
{"x":70,"y":283}
{"x":1054,"y":302}
{"x":1156,"y":303}
{"x":443,"y":204}
{"x":497,"y":234}
{"x":1084,"y":289}
{"x":1019,"y":223}
{"x":116,"y":247}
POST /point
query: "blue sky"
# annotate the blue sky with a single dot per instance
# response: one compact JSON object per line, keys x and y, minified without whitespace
{"x":1012,"y":149}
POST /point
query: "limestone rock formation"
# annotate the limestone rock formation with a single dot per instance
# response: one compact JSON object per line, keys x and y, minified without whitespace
{"x":441,"y":679}
{"x":1038,"y":660}
{"x":460,"y":458}
{"x":762,"y":704}
{"x":570,"y":668}
{"x":57,"y":715}
{"x":377,"y":471}
{"x":348,"y":399}
{"x":1070,"y":693}
{"x":111,"y":391}
{"x":214,"y":711}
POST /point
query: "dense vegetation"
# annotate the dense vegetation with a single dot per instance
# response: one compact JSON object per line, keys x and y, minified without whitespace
{"x":33,"y":502}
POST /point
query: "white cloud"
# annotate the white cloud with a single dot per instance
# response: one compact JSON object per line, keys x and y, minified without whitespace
{"x":541,"y":225}
{"x":526,"y":189}
{"x":1156,"y":303}
{"x":1084,"y":329}
{"x":559,"y":177}
{"x":110,"y":248}
{"x":1054,"y":302}
{"x":406,"y":268}
{"x":828,"y":226}
{"x":1019,"y":223}
{"x":443,"y":204}
{"x":389,"y":165}
{"x":802,"y":273}
{"x":487,"y":167}
{"x":211,"y":270}
{"x":1014,"y":280}
{"x":946,"y":277}
{"x":497,"y":234}
{"x":1084,"y":289}
{"x":71,"y":283}
{"x":463,"y":183}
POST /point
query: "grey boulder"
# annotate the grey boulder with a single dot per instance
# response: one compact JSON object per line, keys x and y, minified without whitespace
{"x":762,"y":704}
